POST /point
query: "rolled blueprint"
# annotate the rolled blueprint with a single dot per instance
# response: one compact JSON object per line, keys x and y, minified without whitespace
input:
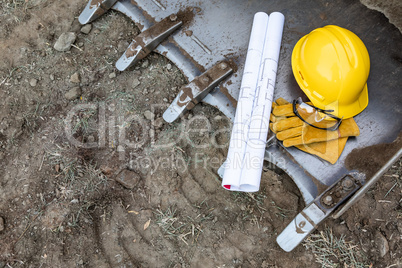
{"x":243,"y":167}
{"x":238,"y":140}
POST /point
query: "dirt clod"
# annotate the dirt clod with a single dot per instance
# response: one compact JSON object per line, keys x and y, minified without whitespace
{"x":128,"y":178}
{"x":73,"y":93}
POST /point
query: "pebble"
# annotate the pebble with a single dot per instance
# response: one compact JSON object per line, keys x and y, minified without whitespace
{"x":1,"y":224}
{"x":75,"y":78}
{"x":96,"y":31}
{"x":73,"y":93}
{"x":158,"y":123}
{"x":136,"y":83}
{"x":65,"y":41}
{"x":169,"y":66}
{"x":122,"y":46}
{"x":165,"y":99}
{"x":86,"y":29}
{"x":145,"y":91}
{"x":129,"y":179}
{"x":112,"y":75}
{"x":33,"y":82}
{"x":382,"y":244}
{"x":145,"y":64}
{"x":399,"y":226}
{"x":149,"y":115}
{"x":51,"y":77}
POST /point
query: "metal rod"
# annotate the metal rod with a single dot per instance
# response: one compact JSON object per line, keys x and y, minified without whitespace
{"x":368,"y":185}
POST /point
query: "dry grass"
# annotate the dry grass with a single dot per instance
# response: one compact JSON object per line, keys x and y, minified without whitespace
{"x":333,"y":252}
{"x":183,"y":228}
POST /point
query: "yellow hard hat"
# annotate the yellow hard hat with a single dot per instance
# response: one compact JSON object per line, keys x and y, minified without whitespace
{"x":331,"y":65}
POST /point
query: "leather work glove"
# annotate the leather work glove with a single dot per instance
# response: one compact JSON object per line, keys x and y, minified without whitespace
{"x":326,"y":144}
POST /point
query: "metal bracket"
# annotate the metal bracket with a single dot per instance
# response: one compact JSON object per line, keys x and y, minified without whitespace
{"x":306,"y":221}
{"x":147,"y":41}
{"x":194,"y":92}
{"x":94,"y":9}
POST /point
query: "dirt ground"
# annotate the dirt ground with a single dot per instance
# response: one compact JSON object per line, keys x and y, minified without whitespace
{"x":65,"y":120}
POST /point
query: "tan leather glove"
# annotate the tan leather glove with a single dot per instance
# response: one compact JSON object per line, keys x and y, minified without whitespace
{"x":328,"y":145}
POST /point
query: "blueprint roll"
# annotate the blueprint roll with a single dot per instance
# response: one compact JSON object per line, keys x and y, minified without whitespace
{"x":259,"y":123}
{"x":238,"y":142}
{"x":258,"y":110}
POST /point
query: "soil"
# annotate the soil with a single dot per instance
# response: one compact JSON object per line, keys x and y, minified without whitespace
{"x":61,"y":205}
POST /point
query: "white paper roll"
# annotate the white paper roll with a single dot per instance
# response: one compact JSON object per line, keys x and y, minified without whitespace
{"x":238,"y":140}
{"x":244,"y":163}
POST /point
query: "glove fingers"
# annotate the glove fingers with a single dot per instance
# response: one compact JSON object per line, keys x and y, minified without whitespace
{"x":287,"y":123}
{"x":283,"y":110}
{"x":289,"y":133}
{"x":281,"y":101}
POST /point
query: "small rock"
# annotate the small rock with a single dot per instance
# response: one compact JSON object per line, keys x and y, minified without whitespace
{"x":145,"y":91}
{"x":112,"y":75}
{"x":80,"y":44}
{"x":149,"y":115}
{"x":158,"y":123}
{"x":400,"y":227}
{"x":96,"y":31}
{"x":136,"y":83}
{"x":128,"y":178}
{"x":145,"y":64}
{"x":165,"y":99}
{"x":169,"y":66}
{"x":57,"y":168}
{"x":90,"y":139}
{"x":51,"y":77}
{"x":122,"y":46}
{"x":1,"y":224}
{"x":33,"y":82}
{"x":382,"y":244}
{"x":73,"y":93}
{"x":65,"y":41}
{"x":75,"y":78}
{"x":86,"y":29}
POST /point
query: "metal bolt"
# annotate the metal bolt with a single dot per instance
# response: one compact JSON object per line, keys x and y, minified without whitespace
{"x":173,"y":17}
{"x":223,"y":66}
{"x":328,"y":200}
{"x":347,"y":184}
{"x":205,"y":80}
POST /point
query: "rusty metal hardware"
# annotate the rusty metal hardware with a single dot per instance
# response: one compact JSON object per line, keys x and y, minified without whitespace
{"x":94,"y":9}
{"x":322,"y":206}
{"x":147,"y":41}
{"x":194,"y":92}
